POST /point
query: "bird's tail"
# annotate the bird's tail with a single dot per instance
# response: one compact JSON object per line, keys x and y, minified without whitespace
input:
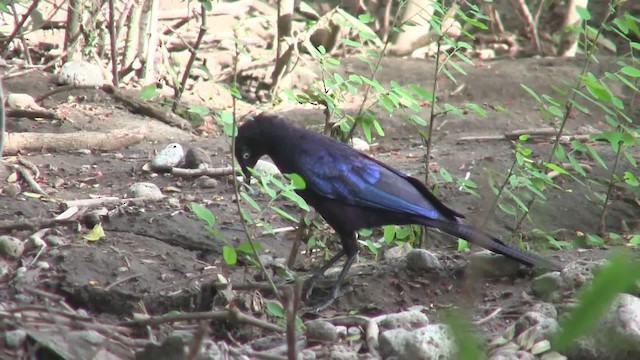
{"x":481,"y":238}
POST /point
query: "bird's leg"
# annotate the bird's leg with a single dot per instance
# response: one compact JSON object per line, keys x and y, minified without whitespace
{"x":311,"y":282}
{"x":335,"y":291}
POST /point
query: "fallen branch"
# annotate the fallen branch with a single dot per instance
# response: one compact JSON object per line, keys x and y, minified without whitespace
{"x":109,"y":141}
{"x":228,"y":170}
{"x":138,"y":106}
{"x":231,"y":315}
{"x":32,"y":114}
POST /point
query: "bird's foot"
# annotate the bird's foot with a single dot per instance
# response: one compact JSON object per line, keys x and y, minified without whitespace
{"x":317,"y":306}
{"x":310,"y":284}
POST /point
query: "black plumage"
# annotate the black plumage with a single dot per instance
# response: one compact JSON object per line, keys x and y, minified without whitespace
{"x":351,"y":190}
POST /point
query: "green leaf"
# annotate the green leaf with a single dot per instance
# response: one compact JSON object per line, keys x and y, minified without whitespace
{"x":229,"y":255}
{"x":148,"y":92}
{"x":389,"y":233}
{"x":583,"y":13}
{"x":462,"y":245}
{"x":531,"y":92}
{"x":245,"y":247}
{"x":618,"y":275}
{"x":594,"y":239}
{"x":283,"y":213}
{"x":250,"y":201}
{"x":417,"y":120}
{"x":297,"y":199}
{"x":467,"y":344}
{"x":199,"y":109}
{"x":274,"y":308}
{"x":446,"y":176}
{"x":631,"y":71}
{"x":297,"y":181}
{"x":203,"y":214}
{"x":425,"y":94}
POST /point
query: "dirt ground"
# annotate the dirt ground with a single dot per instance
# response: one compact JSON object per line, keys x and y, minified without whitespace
{"x":157,"y":257}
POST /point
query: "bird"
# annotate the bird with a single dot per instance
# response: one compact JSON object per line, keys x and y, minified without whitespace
{"x":352,"y":191}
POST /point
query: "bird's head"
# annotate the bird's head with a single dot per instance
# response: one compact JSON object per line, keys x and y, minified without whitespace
{"x":252,"y":143}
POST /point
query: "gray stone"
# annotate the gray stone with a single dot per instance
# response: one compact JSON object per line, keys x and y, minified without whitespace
{"x":209,"y":351}
{"x":205,"y":182}
{"x":407,"y":320}
{"x":512,"y":355}
{"x":492,"y":265}
{"x":266,"y":168}
{"x":341,"y":352}
{"x":11,"y":247}
{"x":429,"y":342}
{"x":545,"y":309}
{"x":197,"y":157}
{"x":616,"y":336}
{"x":320,"y":330}
{"x":360,"y":145}
{"x":80,"y":73}
{"x":548,"y":286}
{"x":15,"y":338}
{"x":145,"y":190}
{"x":397,"y":252}
{"x":54,"y":240}
{"x":423,"y":260}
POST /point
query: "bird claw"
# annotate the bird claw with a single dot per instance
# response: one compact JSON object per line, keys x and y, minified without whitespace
{"x":310,"y":284}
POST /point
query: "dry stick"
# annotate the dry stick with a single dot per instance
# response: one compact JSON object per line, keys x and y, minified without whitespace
{"x":179,"y":89}
{"x":605,"y":206}
{"x":236,"y":186}
{"x":295,"y":248}
{"x":369,"y":325}
{"x":228,"y":314}
{"x":198,"y":338}
{"x":113,"y":40}
{"x":18,"y":27}
{"x":533,"y":28}
{"x":26,"y":176}
{"x":227,"y":170}
{"x":568,"y":108}
{"x":290,"y":312}
{"x":3,"y":127}
{"x":32,"y":114}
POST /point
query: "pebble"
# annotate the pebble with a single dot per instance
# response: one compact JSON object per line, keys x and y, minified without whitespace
{"x":429,"y":342}
{"x":320,"y":330}
{"x":360,"y":145}
{"x":205,"y":182}
{"x":397,"y":252}
{"x":197,"y":157}
{"x":22,"y":101}
{"x":145,"y":190}
{"x":11,"y":247}
{"x":266,"y":168}
{"x":15,"y":338}
{"x":423,"y":260}
{"x":407,"y":320}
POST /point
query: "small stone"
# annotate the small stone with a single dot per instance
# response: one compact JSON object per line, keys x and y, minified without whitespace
{"x":15,"y":338}
{"x":320,"y":330}
{"x":407,"y":320}
{"x":35,"y":242}
{"x":54,"y":240}
{"x":171,"y":156}
{"x":197,"y":157}
{"x":341,"y":330}
{"x":307,"y":354}
{"x":341,"y":352}
{"x":209,"y":351}
{"x":547,"y":286}
{"x":429,"y":342}
{"x":11,"y":247}
{"x":353,"y":331}
{"x":205,"y":182}
{"x":545,"y":309}
{"x":80,"y":73}
{"x":4,"y":269}
{"x":145,"y":190}
{"x":12,"y":190}
{"x":42,"y":265}
{"x":22,"y":101}
{"x":173,"y":202}
{"x":360,"y":145}
{"x":397,"y":252}
{"x":423,"y":260}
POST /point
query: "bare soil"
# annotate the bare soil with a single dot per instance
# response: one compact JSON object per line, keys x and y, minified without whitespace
{"x":157,"y":257}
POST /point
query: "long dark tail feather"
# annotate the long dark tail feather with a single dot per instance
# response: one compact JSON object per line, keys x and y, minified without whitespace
{"x":481,"y":238}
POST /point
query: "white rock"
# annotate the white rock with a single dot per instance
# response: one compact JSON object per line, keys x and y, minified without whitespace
{"x":22,"y":101}
{"x":407,"y":320}
{"x":145,"y":190}
{"x":429,"y":342}
{"x":360,"y":145}
{"x":266,"y":168}
{"x":397,"y":252}
{"x":169,"y":157}
{"x":80,"y":73}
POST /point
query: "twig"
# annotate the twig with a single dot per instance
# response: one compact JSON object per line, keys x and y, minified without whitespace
{"x":227,"y":170}
{"x":532,"y":26}
{"x":229,"y":315}
{"x":113,"y":41}
{"x":178,"y":90}
{"x":64,"y":88}
{"x":487,"y":318}
{"x":26,"y":176}
{"x":369,"y":325}
{"x":18,"y":28}
{"x":120,"y":281}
